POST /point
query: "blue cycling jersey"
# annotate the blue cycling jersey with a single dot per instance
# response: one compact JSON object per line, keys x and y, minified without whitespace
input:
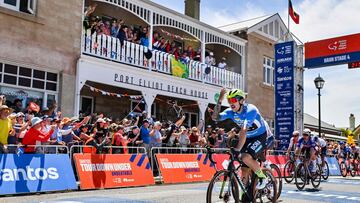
{"x":305,"y":144}
{"x":249,"y":117}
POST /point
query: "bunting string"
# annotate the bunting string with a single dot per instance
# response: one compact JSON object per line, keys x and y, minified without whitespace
{"x":174,"y":36}
{"x":105,"y":93}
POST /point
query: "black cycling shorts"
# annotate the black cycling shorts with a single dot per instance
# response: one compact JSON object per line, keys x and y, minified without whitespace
{"x":306,"y":151}
{"x":323,"y":151}
{"x":255,"y":146}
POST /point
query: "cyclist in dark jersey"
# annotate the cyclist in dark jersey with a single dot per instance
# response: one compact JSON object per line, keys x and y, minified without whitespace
{"x":306,"y":145}
{"x":252,"y":135}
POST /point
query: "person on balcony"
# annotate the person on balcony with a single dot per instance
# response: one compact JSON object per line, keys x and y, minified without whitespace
{"x":144,"y":39}
{"x":122,"y":35}
{"x":222,"y":64}
{"x":210,"y":60}
{"x":190,"y":52}
{"x":114,"y":28}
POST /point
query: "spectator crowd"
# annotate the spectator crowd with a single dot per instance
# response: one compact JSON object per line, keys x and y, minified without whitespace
{"x":32,"y":127}
{"x":140,"y":35}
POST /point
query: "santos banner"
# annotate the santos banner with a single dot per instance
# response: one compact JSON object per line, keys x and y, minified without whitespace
{"x":35,"y":173}
{"x":113,"y":170}
{"x":180,"y":168}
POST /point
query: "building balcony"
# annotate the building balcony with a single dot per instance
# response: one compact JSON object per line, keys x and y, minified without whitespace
{"x":181,"y":29}
{"x":135,"y":55}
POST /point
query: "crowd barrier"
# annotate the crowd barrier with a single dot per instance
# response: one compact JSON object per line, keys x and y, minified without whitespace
{"x":28,"y":173}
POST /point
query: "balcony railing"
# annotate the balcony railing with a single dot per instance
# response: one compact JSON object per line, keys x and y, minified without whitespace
{"x":109,"y":48}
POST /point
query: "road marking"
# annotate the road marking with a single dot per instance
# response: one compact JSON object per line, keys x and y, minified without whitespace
{"x":326,"y":195}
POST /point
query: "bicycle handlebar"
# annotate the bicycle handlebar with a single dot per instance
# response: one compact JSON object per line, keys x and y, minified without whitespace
{"x":210,"y":153}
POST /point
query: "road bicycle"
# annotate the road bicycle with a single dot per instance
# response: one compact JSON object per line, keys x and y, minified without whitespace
{"x":303,"y":175}
{"x":346,"y":167}
{"x":275,"y":170}
{"x":226,"y":185}
{"x":289,"y":169}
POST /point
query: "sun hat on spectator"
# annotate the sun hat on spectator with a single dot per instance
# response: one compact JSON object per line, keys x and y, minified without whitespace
{"x":66,"y":120}
{"x":146,"y":121}
{"x":182,"y":128}
{"x":157,"y":123}
{"x":12,"y":116}
{"x":35,"y":121}
{"x":100,"y":120}
{"x":4,"y":107}
{"x":194,"y":129}
{"x":20,"y":114}
{"x":134,"y":127}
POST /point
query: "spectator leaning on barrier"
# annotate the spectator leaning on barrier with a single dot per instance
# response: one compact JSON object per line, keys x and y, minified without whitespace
{"x":184,"y":137}
{"x":35,"y":134}
{"x":155,"y":135}
{"x":145,"y":133}
{"x":133,"y":139}
{"x":5,"y":127}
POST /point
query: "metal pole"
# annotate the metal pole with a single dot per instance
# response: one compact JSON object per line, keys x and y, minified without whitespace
{"x":319,"y":113}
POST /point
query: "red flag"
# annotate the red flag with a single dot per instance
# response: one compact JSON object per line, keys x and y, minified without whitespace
{"x":293,"y":14}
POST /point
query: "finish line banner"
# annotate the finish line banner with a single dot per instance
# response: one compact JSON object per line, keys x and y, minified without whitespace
{"x":182,"y":168}
{"x":29,"y":173}
{"x":284,"y":93}
{"x":113,"y":170}
{"x":334,"y":51}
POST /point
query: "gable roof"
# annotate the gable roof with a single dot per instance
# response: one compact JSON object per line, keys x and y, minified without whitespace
{"x":312,"y":121}
{"x":269,"y":26}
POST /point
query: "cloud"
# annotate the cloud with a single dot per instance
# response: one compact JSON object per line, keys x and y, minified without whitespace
{"x":323,"y":19}
{"x":216,"y":16}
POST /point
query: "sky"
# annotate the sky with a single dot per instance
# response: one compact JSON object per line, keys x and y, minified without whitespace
{"x":319,"y":19}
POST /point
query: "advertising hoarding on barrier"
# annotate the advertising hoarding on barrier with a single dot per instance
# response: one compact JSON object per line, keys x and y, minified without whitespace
{"x":334,"y":168}
{"x":284,"y":93}
{"x":279,"y":160}
{"x":35,"y":173}
{"x":180,"y":168}
{"x":113,"y":170}
{"x":334,"y":51}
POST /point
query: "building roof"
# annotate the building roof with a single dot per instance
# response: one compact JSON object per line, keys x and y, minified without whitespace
{"x":269,"y":27}
{"x":312,"y":121}
{"x":243,"y":25}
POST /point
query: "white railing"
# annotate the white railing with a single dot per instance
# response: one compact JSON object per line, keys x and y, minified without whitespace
{"x":110,"y":48}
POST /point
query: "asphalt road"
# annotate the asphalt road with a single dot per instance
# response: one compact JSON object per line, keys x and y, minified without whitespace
{"x":336,"y":189}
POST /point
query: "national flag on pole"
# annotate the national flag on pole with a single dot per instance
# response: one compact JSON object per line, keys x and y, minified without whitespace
{"x":293,"y":14}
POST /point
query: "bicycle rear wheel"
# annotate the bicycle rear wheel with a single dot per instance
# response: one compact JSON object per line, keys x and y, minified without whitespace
{"x":325,"y":171}
{"x":218,"y":189}
{"x":301,"y":175}
{"x":270,"y":190}
{"x":277,"y":175}
{"x":289,"y":171}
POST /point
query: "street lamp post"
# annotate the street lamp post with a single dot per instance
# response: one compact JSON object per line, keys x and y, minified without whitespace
{"x":319,"y":84}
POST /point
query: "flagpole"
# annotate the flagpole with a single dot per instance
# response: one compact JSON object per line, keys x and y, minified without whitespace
{"x":287,"y":36}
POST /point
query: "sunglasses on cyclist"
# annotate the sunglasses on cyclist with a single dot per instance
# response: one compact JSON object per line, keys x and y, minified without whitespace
{"x":232,"y":100}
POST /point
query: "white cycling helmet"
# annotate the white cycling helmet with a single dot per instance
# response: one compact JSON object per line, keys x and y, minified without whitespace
{"x":307,"y":131}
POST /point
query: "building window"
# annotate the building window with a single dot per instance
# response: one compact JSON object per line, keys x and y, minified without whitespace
{"x":268,"y":71}
{"x":26,"y":6}
{"x":28,"y":84}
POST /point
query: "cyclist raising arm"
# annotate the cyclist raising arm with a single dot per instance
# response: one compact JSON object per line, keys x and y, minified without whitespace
{"x":252,"y":134}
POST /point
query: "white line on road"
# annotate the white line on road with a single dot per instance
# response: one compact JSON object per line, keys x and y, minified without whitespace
{"x":325,"y":195}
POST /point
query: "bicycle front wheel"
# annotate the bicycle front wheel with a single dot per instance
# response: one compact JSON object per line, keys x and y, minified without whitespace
{"x":343,"y":169}
{"x":289,"y":171}
{"x":222,"y":189}
{"x":353,"y":169}
{"x":301,"y":175}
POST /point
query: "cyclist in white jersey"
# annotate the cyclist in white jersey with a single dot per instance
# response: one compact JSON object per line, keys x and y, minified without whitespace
{"x":322,"y":148}
{"x":293,"y":141}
